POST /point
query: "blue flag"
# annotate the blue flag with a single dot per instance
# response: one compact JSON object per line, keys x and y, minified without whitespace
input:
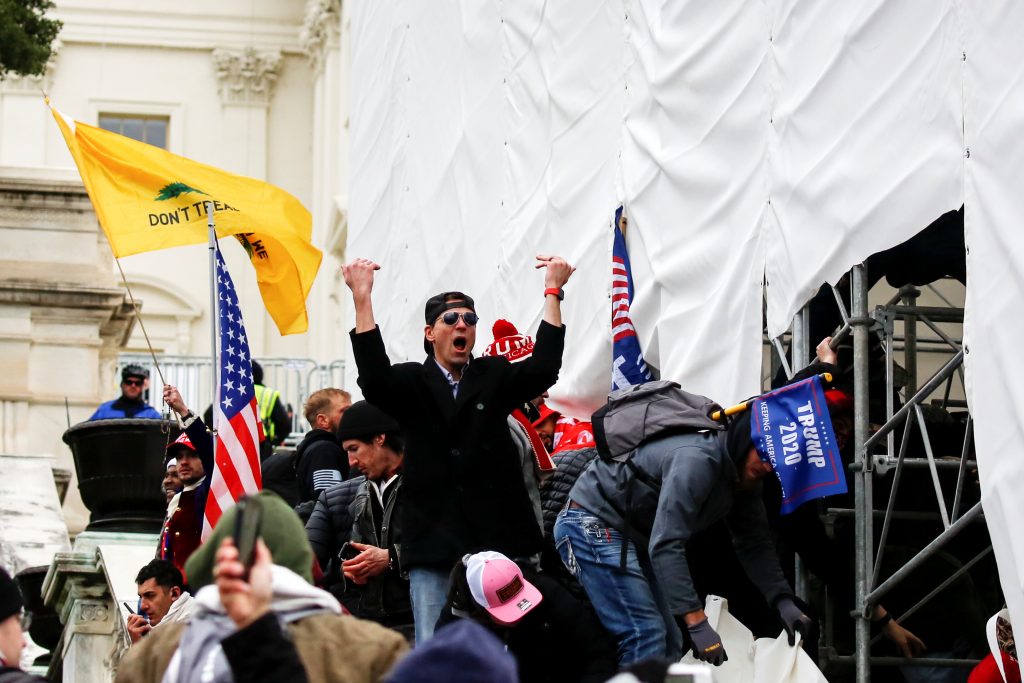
{"x":792,"y":430}
{"x":628,"y":366}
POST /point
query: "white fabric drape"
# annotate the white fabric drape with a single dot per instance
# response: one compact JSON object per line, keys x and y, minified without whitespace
{"x":993,"y":216}
{"x":695,"y":188}
{"x":484,"y":134}
{"x":784,"y":140}
{"x":866,"y":143}
{"x":781,"y":141}
{"x":754,"y":660}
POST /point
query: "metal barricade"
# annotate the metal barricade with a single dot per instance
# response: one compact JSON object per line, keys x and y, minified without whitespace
{"x":295,"y":378}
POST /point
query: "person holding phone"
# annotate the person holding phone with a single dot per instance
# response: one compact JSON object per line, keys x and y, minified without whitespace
{"x":162,"y":599}
{"x":375,"y":585}
{"x":257,"y":616}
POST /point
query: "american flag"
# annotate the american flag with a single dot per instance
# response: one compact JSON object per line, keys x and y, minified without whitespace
{"x":628,"y":366}
{"x":239,"y":430}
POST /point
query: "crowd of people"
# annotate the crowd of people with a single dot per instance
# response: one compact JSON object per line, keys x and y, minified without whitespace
{"x":453,"y":526}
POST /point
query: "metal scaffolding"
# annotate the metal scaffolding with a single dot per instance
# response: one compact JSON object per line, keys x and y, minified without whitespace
{"x":877,"y":455}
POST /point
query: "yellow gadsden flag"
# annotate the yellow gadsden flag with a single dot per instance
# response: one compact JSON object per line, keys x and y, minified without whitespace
{"x":147,"y":199}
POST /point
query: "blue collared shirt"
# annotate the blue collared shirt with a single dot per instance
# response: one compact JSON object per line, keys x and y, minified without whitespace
{"x":452,"y":382}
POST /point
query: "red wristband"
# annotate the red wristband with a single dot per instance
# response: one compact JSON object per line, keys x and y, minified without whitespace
{"x":556,"y":291}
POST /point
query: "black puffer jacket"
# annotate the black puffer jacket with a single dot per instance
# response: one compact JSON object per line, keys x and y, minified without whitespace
{"x":554,"y":491}
{"x":330,"y":525}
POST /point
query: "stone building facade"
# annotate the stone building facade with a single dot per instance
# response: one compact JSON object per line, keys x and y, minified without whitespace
{"x":251,"y":86}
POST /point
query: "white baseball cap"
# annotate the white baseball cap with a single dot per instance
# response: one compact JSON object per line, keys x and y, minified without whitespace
{"x":498,"y":585}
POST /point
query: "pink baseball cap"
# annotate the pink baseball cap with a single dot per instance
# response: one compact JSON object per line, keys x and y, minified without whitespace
{"x":497,"y":584}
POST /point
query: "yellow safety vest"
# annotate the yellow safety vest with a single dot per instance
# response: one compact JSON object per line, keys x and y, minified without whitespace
{"x":265,"y":400}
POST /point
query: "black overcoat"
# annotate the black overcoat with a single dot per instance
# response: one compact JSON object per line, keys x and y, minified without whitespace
{"x":463,"y":482}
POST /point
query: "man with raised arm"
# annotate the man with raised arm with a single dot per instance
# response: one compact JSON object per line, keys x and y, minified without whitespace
{"x":193,"y":450}
{"x":463,"y":482}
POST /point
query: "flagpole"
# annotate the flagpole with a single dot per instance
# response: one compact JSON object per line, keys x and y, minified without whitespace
{"x":215,"y":313}
{"x":718,"y":415}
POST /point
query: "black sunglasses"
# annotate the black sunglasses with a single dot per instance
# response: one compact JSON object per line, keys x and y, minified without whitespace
{"x":135,"y":382}
{"x":452,"y":317}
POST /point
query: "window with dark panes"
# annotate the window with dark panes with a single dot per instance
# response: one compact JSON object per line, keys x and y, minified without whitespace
{"x":149,"y":129}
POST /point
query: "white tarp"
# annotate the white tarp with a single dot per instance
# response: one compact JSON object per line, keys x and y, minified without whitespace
{"x":755,"y":660}
{"x":695,"y":188}
{"x":481,"y":139}
{"x":787,"y":139}
{"x":993,"y":217}
{"x":866,"y":143}
{"x":747,"y":141}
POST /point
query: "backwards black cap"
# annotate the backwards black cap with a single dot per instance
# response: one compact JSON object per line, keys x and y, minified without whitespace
{"x":438,"y":304}
{"x":445,"y":301}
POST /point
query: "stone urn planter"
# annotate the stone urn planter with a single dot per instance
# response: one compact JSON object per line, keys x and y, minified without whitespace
{"x":45,"y":627}
{"x":120,"y":466}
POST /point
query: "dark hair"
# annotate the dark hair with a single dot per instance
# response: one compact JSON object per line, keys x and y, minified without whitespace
{"x":257,"y":373}
{"x":392,"y":440}
{"x":165,"y":573}
{"x":460,"y":598}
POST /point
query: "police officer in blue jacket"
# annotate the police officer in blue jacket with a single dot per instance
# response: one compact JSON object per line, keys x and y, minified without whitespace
{"x":134,"y":381}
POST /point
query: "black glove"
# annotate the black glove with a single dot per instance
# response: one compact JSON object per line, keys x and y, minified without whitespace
{"x":793,"y":612}
{"x":706,"y":644}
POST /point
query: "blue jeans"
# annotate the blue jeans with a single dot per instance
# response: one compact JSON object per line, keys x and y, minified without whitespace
{"x":428,"y":590}
{"x":627,"y":601}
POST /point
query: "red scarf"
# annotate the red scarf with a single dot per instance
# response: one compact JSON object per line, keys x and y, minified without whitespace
{"x":540,"y":454}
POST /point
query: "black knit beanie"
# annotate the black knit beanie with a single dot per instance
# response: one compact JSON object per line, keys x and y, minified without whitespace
{"x":363,"y":419}
{"x":10,"y":596}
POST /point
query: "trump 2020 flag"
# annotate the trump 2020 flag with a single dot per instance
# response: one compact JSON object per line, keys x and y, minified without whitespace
{"x":792,"y":430}
{"x":628,"y":366}
{"x":236,"y":471}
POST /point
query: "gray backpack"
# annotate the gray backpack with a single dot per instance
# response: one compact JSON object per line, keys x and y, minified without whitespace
{"x":634,"y":415}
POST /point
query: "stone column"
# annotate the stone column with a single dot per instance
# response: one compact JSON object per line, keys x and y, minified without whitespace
{"x":86,"y":588}
{"x":89,"y":649}
{"x":63,"y":317}
{"x":321,"y":37}
{"x":90,"y":646}
{"x":246,"y":84}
